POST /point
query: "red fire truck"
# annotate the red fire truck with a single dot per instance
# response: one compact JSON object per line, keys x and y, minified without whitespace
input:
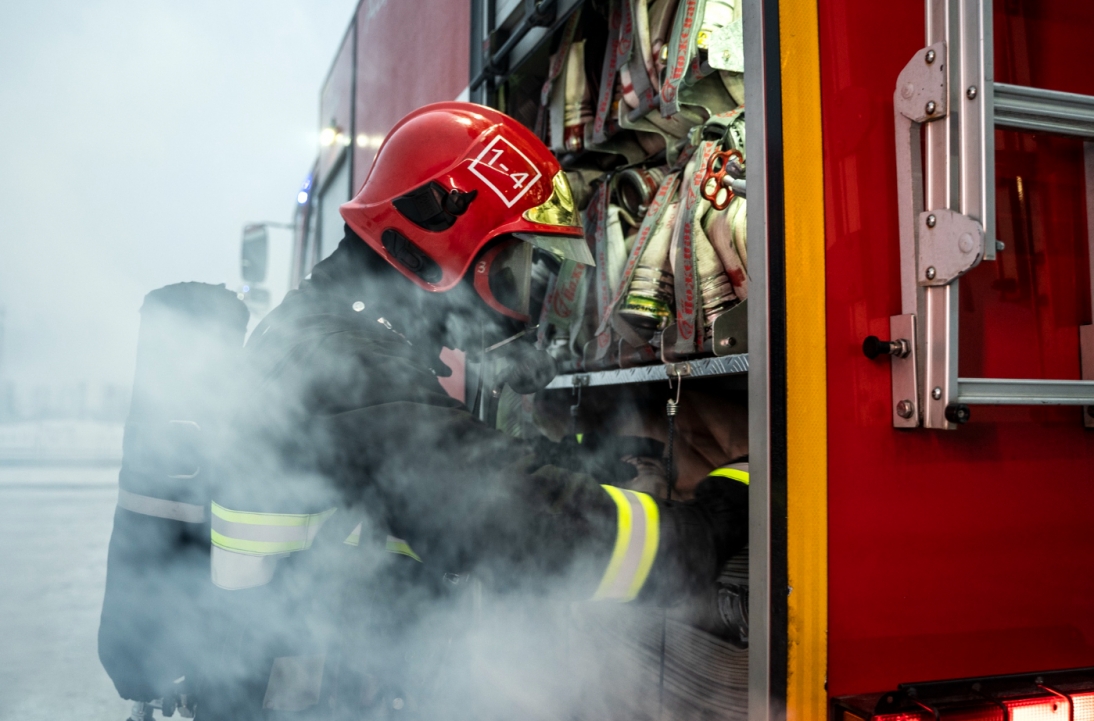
{"x":916,"y":351}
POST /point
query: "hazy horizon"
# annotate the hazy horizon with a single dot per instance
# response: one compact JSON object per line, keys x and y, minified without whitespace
{"x":136,"y":140}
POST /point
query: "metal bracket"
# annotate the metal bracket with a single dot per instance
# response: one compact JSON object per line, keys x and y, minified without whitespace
{"x":920,"y":96}
{"x":950,"y":245}
{"x":921,"y":87}
{"x":678,"y":370}
{"x":730,"y":332}
{"x":905,"y":386}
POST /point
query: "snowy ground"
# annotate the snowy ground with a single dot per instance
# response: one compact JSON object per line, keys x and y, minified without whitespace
{"x":57,"y":525}
{"x":60,"y":442}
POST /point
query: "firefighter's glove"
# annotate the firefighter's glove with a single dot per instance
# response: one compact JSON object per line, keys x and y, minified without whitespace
{"x":524,"y":368}
{"x":699,"y":536}
{"x":723,"y":504}
{"x":598,"y":456}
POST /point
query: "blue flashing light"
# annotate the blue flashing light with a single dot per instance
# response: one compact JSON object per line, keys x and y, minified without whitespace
{"x":302,"y":197}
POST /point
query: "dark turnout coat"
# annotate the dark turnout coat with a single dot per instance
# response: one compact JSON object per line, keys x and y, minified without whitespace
{"x":341,"y":419}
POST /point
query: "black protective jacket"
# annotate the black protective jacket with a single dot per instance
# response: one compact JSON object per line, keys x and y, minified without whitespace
{"x":341,"y":408}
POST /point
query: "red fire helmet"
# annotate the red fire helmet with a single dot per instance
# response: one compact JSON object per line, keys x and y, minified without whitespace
{"x":451,"y":177}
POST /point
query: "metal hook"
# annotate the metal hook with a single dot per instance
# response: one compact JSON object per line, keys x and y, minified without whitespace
{"x":575,"y":391}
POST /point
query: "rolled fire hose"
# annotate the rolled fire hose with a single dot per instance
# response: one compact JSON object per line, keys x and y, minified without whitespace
{"x":688,"y":79}
{"x":697,"y":270}
{"x":635,"y":188}
{"x":554,"y":72}
{"x":570,"y":103}
{"x":661,"y":15}
{"x":616,"y":249}
{"x":725,"y":229}
{"x":647,"y":305}
{"x":638,"y":75}
{"x":715,"y":288}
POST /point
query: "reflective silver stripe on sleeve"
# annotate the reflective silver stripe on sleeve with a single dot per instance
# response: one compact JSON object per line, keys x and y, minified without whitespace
{"x":171,"y":510}
{"x":302,"y":535}
{"x":265,"y":533}
{"x":638,"y":535}
{"x":354,"y":537}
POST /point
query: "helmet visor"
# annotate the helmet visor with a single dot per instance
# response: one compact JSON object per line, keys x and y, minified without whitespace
{"x":503,"y":278}
{"x":563,"y":247}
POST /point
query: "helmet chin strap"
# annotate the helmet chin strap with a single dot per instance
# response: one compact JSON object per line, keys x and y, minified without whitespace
{"x":512,"y":338}
{"x":521,"y":366}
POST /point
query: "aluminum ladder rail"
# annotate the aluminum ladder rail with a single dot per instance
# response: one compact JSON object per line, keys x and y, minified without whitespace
{"x":946,"y":201}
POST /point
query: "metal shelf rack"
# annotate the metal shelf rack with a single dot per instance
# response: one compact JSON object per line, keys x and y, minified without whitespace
{"x":700,"y":368}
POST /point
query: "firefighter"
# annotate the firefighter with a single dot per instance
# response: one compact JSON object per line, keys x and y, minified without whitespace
{"x":345,"y":442}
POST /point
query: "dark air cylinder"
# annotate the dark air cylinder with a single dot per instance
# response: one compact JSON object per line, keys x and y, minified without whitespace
{"x":151,"y":630}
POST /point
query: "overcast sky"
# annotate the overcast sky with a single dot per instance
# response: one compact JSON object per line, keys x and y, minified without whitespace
{"x":136,"y":139}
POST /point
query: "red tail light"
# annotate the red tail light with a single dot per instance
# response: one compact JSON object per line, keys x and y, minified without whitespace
{"x":1052,"y":696}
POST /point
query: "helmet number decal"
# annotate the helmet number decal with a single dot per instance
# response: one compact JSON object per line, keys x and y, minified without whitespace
{"x":505,"y":170}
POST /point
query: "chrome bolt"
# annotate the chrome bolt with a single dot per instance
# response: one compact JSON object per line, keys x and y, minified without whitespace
{"x":931,"y":107}
{"x":358,"y":306}
{"x":971,"y":92}
{"x":904,"y":409}
{"x":936,"y":393}
{"x":931,"y":221}
{"x":930,"y":57}
{"x":931,"y":273}
{"x":1000,"y":245}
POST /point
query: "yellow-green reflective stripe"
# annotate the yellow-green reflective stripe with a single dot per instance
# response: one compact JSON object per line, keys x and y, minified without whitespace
{"x":637,"y":537}
{"x":394,"y":545}
{"x":265,"y":533}
{"x":649,"y":545}
{"x":735,"y":474}
{"x":257,"y":548}
{"x":267,"y":519}
{"x":398,"y":545}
